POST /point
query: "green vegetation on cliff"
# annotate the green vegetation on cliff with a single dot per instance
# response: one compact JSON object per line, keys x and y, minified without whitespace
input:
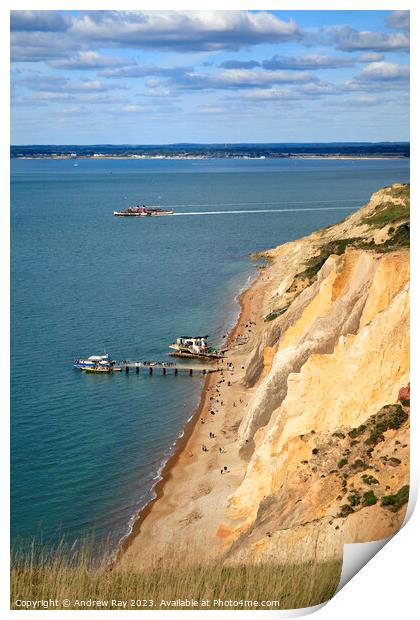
{"x":395,"y":502}
{"x":393,"y":212}
{"x":395,"y":209}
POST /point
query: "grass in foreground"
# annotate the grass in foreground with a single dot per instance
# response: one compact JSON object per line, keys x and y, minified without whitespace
{"x":77,"y":578}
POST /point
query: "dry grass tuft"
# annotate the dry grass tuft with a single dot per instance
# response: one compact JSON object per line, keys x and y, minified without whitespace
{"x":78,"y":576}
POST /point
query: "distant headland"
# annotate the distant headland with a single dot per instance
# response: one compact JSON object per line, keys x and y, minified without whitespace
{"x":332,"y":150}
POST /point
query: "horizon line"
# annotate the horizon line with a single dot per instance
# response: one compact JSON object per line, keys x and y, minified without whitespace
{"x":225,"y":144}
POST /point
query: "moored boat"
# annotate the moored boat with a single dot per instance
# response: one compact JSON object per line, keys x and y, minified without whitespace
{"x":194,"y":346}
{"x":95,"y":363}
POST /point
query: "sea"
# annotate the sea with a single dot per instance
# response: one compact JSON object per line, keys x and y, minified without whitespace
{"x":86,"y":450}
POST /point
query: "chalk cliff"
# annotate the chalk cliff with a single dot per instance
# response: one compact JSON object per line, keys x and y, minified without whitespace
{"x":326,"y":430}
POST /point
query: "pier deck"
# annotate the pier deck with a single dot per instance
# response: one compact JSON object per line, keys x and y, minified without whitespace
{"x":168,"y":367}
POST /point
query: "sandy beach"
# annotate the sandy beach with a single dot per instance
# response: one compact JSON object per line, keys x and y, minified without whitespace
{"x":206,"y":467}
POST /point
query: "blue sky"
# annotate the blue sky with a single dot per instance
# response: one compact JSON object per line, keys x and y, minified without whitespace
{"x":155,"y":77}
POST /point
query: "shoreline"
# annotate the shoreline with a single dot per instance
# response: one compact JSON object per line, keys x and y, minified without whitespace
{"x":165,"y":474}
{"x":204,"y":158}
{"x":191,"y":496}
{"x":181,"y":443}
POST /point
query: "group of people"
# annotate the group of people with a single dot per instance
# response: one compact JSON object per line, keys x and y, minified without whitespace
{"x":215,"y":399}
{"x":136,"y":209}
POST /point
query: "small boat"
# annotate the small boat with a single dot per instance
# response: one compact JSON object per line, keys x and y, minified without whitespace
{"x":95,"y":363}
{"x":144,"y":212}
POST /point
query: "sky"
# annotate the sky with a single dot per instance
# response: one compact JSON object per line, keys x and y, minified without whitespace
{"x":162,"y":77}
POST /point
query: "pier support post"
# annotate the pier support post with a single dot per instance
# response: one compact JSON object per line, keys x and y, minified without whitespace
{"x":150,"y":370}
{"x":164,"y":370}
{"x":191,"y":371}
{"x":126,"y":370}
{"x":137,"y":370}
{"x":175,"y":371}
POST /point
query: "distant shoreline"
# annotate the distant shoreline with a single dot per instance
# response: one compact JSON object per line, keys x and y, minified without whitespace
{"x":206,"y":157}
{"x":203,"y":151}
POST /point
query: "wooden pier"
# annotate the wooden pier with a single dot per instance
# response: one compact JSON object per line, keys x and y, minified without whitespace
{"x":165,"y":368}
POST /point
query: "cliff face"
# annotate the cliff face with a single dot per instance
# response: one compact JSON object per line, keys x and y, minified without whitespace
{"x":325,"y":433}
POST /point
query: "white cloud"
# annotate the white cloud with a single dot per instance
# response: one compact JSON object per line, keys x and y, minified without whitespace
{"x":91,"y":98}
{"x":37,"y":46}
{"x":384,"y":71}
{"x":212,"y":109}
{"x":380,"y":76}
{"x":299,"y":91}
{"x":87,"y":86}
{"x":183,"y":30}
{"x":58,"y":84}
{"x":271,"y":93}
{"x":132,"y":108}
{"x":308,"y":61}
{"x":377,"y":41}
{"x":400,"y":20}
{"x":48,"y":35}
{"x":370,"y":57}
{"x":348,"y":39}
{"x":40,"y":21}
{"x":239,"y":78}
{"x":160,"y":94}
{"x":84,"y":61}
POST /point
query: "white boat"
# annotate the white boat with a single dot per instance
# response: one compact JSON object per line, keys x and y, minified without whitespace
{"x":194,"y":346}
{"x":103,"y":362}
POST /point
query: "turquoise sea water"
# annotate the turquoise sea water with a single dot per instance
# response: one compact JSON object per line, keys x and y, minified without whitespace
{"x":86,"y":450}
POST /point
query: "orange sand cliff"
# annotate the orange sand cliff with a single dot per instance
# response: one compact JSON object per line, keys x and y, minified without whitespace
{"x":308,"y":424}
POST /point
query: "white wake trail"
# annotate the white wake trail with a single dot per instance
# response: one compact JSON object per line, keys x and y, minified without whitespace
{"x":243,"y":211}
{"x":288,"y":202}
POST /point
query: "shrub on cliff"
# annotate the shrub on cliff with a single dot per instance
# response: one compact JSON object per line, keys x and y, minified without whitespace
{"x":369,"y":498}
{"x":395,"y":502}
{"x":389,"y":417}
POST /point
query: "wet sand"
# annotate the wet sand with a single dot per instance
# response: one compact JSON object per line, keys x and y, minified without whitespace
{"x":191,"y":497}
